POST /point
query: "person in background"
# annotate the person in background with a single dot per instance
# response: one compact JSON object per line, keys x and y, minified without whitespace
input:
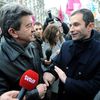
{"x":62,"y":25}
{"x":38,"y":31}
{"x":78,"y":64}
{"x":47,"y":22}
{"x":53,"y":41}
{"x":63,"y":28}
{"x":17,"y":52}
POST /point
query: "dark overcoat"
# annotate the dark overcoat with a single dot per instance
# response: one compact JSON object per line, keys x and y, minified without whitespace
{"x":82,"y":67}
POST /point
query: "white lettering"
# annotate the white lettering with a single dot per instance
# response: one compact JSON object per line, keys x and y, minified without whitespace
{"x":29,"y":79}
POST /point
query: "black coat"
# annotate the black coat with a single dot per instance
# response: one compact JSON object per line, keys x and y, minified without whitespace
{"x":96,"y":35}
{"x":14,"y":61}
{"x":81,"y":63}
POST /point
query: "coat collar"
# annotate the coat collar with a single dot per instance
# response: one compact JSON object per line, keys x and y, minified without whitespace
{"x":13,"y":50}
{"x":87,"y":46}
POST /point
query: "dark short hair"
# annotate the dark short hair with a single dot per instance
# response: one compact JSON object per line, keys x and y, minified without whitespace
{"x":10,"y":15}
{"x":38,"y":23}
{"x":87,"y":15}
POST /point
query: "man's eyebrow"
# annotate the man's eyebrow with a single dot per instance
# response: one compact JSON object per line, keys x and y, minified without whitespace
{"x":28,"y":24}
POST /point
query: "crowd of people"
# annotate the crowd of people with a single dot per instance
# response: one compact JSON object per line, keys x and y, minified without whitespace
{"x":67,"y":58}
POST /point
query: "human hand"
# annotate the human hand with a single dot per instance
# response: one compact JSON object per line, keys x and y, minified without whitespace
{"x":61,"y":74}
{"x":10,"y":95}
{"x":48,"y":78}
{"x":42,"y":88}
{"x":47,"y":62}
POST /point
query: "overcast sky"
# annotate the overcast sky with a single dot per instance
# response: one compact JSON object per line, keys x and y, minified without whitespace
{"x":56,"y":3}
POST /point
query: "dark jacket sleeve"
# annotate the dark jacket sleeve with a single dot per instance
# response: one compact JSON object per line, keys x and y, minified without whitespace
{"x":32,"y":95}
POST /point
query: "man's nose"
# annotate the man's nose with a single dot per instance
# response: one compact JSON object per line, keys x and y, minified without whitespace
{"x":72,"y":28}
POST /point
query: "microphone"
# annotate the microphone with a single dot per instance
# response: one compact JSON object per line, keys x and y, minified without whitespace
{"x":48,"y":53}
{"x":28,"y":81}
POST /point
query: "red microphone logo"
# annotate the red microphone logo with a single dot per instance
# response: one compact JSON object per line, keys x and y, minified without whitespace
{"x":29,"y":80}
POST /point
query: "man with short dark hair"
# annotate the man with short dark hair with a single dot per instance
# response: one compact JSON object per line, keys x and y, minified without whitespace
{"x":78,"y":61}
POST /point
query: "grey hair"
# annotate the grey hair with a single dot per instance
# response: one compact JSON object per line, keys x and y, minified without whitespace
{"x":10,"y":15}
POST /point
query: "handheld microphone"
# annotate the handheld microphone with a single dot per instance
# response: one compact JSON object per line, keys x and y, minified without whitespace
{"x":48,"y":53}
{"x":28,"y":81}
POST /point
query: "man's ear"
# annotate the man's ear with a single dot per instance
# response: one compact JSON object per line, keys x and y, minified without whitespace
{"x":12,"y":32}
{"x":90,"y":26}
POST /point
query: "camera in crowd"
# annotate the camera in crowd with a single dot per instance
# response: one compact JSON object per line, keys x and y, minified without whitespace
{"x":50,"y":18}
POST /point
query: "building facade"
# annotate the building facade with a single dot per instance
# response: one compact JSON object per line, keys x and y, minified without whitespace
{"x":36,"y":6}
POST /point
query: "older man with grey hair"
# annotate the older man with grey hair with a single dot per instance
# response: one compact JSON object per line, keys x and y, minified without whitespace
{"x":17,"y":52}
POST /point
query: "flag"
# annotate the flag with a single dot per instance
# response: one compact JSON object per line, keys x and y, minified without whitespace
{"x":69,"y":7}
{"x":60,"y":14}
{"x":72,"y":5}
{"x":33,"y":19}
{"x":77,"y":4}
{"x":68,"y":11}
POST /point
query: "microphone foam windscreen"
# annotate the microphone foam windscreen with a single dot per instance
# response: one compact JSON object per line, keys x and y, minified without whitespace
{"x":29,"y":80}
{"x":48,"y":52}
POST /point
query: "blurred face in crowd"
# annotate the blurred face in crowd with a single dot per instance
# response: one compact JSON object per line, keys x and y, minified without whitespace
{"x":57,"y":36}
{"x":60,"y":26}
{"x":78,"y":29}
{"x":39,"y":31}
{"x":25,"y":33}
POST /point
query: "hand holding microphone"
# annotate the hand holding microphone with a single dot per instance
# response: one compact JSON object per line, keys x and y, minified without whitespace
{"x":46,"y":62}
{"x":28,"y":81}
{"x":42,"y":88}
{"x":48,"y":54}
